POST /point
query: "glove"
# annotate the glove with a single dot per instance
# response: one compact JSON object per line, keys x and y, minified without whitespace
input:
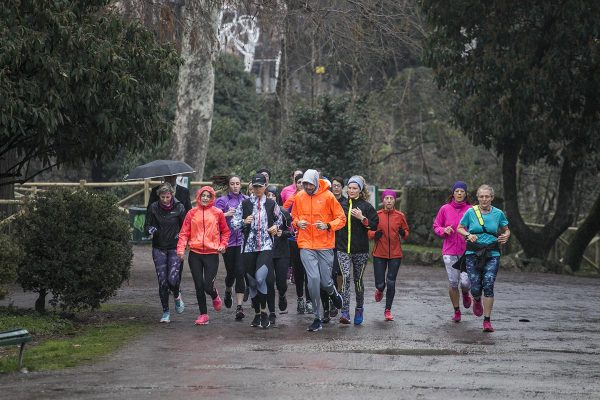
{"x":378,"y":235}
{"x":402,"y":232}
{"x":151,"y":230}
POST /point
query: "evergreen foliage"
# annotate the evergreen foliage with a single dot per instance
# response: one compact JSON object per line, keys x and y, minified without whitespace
{"x":10,"y":256}
{"x":77,"y":247}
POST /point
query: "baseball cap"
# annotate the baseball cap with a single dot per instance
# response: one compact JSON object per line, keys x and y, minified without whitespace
{"x":259,"y":180}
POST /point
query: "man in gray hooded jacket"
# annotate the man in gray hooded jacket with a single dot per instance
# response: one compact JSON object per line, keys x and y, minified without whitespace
{"x":317,"y":215}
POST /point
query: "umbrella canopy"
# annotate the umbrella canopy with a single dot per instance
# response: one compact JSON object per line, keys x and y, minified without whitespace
{"x":158,"y":169}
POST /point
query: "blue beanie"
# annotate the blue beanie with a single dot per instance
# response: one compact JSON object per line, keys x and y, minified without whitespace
{"x":459,"y":185}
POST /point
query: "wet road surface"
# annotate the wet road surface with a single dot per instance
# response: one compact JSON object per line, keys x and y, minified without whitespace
{"x":421,"y":355}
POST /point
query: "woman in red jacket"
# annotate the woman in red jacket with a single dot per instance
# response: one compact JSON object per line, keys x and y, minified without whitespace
{"x":207,"y":233}
{"x":387,"y":252}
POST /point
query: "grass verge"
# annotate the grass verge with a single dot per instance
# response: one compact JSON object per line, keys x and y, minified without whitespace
{"x":62,"y":343}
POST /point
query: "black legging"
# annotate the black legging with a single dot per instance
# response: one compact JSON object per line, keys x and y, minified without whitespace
{"x":259,"y":278}
{"x":235,"y":269}
{"x":299,"y":272}
{"x":280,"y":267}
{"x":204,"y":269}
{"x":383,"y":280}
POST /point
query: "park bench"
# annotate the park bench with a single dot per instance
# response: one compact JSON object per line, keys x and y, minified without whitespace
{"x":15,"y":336}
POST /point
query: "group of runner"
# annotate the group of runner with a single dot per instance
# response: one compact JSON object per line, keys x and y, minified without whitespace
{"x":323,"y":235}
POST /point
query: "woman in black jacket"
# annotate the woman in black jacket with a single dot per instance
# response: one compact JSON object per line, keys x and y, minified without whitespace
{"x":163,"y":221}
{"x":281,"y":257}
{"x":352,"y":244}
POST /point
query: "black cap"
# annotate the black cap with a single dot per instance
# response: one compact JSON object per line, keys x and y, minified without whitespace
{"x":259,"y":180}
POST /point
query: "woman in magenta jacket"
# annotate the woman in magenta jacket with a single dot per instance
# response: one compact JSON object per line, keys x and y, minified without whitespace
{"x":444,"y":225}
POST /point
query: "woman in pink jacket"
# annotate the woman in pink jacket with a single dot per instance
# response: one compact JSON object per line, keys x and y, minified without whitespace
{"x":205,"y":230}
{"x":444,"y":225}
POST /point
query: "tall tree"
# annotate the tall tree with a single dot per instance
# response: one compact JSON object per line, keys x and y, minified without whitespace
{"x":78,"y":83}
{"x":524,"y":81}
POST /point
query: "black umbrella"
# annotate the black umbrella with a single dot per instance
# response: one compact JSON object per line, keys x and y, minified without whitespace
{"x":158,"y":169}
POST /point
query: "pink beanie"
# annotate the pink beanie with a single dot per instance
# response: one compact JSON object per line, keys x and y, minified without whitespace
{"x":388,"y":192}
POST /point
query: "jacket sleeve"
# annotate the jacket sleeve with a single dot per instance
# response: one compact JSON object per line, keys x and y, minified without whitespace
{"x":289,"y":202}
{"x":438,"y":223}
{"x":373,"y":218}
{"x":278,"y":216}
{"x":184,"y":233}
{"x":294,"y":214}
{"x":149,"y":220}
{"x":339,"y":218}
{"x":221,"y":203}
{"x":404,"y":225}
{"x":236,"y":221}
{"x":224,"y":229}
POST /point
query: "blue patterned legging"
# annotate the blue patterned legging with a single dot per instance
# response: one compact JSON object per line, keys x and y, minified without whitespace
{"x":357,"y":263}
{"x":482,"y":278}
{"x":168,"y":272}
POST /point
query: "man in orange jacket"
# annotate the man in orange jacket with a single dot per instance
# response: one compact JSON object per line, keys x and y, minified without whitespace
{"x":317,"y":215}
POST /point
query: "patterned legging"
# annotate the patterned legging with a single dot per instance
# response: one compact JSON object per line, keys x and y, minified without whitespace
{"x":482,"y":279}
{"x":168,"y":272}
{"x":358,"y":262}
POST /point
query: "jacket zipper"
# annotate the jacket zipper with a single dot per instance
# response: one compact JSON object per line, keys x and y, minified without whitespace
{"x":349,"y":223}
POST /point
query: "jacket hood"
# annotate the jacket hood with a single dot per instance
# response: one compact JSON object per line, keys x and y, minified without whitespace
{"x":312,"y":176}
{"x":323,"y":186}
{"x":208,"y":189}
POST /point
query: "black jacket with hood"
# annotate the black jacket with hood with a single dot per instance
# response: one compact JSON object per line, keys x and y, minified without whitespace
{"x":167,"y":224}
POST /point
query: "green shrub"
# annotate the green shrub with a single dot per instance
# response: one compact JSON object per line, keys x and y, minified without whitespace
{"x":77,"y":247}
{"x":10,"y":257}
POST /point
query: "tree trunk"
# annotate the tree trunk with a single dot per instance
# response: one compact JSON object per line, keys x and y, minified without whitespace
{"x":7,"y":191}
{"x":536,"y":243}
{"x":196,"y":83}
{"x":40,"y":303}
{"x":585,"y":233}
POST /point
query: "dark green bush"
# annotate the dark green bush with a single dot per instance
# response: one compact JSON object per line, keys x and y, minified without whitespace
{"x":77,"y":247}
{"x":10,"y":257}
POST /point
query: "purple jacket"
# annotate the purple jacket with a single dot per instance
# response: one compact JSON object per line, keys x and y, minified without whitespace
{"x":223,"y":203}
{"x":450,"y":215}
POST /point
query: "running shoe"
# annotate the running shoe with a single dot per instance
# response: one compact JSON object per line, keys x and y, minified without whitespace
{"x":337,"y":299}
{"x":282,"y":304}
{"x":272,"y":318}
{"x":256,"y":321}
{"x":179,"y":304}
{"x":228,"y":300}
{"x":487,"y":326}
{"x":239,"y":313}
{"x":166,"y":318}
{"x":456,"y":316}
{"x":477,"y":308}
{"x":264,"y":320}
{"x":315,"y":326}
{"x":202,"y":319}
{"x":217,"y":303}
{"x":378,"y":295}
{"x":387,"y":314}
{"x":345,"y":317}
{"x":301,"y":306}
{"x":309,"y":307}
{"x":358,"y":315}
{"x":466,"y":300}
{"x":326,"y":317}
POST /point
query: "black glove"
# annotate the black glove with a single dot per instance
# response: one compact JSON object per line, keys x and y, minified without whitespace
{"x":402,"y":232}
{"x":378,"y":235}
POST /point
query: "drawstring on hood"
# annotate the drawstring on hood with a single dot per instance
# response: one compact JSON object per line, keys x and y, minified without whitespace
{"x":213,"y":195}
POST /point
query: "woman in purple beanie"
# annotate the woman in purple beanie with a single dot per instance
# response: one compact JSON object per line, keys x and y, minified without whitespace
{"x":444,"y":225}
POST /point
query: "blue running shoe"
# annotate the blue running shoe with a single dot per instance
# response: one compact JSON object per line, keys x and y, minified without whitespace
{"x":358,"y":316}
{"x":315,"y":326}
{"x":179,"y":305}
{"x":166,"y":318}
{"x":345,"y":317}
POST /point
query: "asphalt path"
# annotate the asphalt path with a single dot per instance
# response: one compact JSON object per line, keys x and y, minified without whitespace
{"x":546,"y":346}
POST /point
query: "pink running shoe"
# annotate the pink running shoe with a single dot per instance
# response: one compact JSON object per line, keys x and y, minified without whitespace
{"x":202,"y":319}
{"x":456,"y":317}
{"x":477,"y":308}
{"x":217,"y":303}
{"x":378,"y":295}
{"x":466,"y":300}
{"x":387,"y":314}
{"x":487,"y":326}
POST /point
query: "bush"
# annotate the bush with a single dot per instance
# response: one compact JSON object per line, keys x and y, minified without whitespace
{"x":77,"y":247}
{"x":10,"y":257}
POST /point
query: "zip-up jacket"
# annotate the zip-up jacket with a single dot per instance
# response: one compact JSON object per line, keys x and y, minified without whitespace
{"x":167,"y":224}
{"x":257,"y":235}
{"x":450,"y":215}
{"x":204,"y":227}
{"x":320,"y":206}
{"x":388,"y":246}
{"x":224,"y":203}
{"x":281,"y":247}
{"x":353,"y":238}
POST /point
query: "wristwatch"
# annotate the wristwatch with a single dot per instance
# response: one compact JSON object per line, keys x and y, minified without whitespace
{"x":467,"y":235}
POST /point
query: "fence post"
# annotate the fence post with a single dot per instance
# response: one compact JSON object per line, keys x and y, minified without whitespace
{"x":146,"y":191}
{"x":82,"y":183}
